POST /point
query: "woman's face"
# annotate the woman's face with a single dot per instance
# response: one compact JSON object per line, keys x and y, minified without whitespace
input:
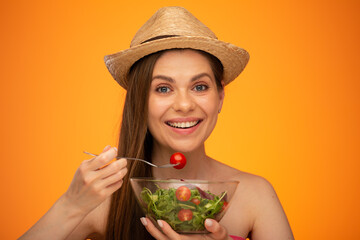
{"x":183,"y":101}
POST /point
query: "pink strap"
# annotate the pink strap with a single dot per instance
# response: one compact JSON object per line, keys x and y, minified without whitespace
{"x":236,"y":238}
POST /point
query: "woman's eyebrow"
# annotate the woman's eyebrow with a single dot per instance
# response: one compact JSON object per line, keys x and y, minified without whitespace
{"x":169,"y":79}
{"x":162,"y":77}
{"x":200,"y":75}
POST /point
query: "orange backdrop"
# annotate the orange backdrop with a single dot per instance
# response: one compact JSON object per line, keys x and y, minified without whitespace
{"x":292,"y":116}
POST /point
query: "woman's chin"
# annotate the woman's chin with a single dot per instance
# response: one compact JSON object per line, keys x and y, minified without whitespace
{"x":185,"y":147}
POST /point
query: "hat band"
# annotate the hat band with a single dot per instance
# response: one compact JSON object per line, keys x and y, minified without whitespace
{"x":159,"y":37}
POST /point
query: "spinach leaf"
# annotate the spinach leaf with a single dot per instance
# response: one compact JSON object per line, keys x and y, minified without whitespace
{"x":163,"y":204}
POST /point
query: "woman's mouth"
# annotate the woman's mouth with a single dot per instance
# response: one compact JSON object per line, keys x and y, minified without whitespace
{"x":183,"y":125}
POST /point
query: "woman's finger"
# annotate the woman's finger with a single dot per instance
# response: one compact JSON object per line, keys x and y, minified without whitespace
{"x":106,"y":148}
{"x":112,"y":188}
{"x":113,"y":178}
{"x":216,"y":230}
{"x":111,"y":169}
{"x":150,"y":227}
{"x":168,"y":231}
{"x":103,"y":159}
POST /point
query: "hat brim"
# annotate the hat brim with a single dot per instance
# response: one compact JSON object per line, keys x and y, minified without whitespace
{"x":233,"y":58}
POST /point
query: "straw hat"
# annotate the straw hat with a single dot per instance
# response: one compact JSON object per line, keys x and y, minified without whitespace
{"x":175,"y":27}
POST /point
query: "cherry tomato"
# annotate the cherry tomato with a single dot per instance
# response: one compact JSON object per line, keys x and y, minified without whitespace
{"x":178,"y":158}
{"x":185,"y":215}
{"x":225,"y":204}
{"x":196,"y":201}
{"x":183,"y":194}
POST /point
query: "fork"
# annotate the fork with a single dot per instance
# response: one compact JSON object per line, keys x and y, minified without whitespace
{"x":141,"y":160}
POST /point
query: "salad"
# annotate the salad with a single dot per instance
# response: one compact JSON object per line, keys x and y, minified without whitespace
{"x":185,"y":208}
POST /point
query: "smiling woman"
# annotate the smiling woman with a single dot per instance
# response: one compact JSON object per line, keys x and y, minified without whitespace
{"x":174,"y":73}
{"x":183,"y":114}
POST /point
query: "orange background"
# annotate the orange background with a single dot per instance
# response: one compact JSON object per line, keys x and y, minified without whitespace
{"x":293,"y":115}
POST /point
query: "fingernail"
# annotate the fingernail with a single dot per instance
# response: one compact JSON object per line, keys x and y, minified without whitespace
{"x":160,"y":223}
{"x":208,"y":222}
{"x":143,"y":221}
{"x":115,"y":149}
{"x":106,"y":148}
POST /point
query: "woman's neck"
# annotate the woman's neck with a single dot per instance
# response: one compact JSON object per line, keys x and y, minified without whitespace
{"x":197,"y":165}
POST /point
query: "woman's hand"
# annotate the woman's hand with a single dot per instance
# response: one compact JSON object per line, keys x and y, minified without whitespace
{"x":217,"y":232}
{"x":95,"y":180}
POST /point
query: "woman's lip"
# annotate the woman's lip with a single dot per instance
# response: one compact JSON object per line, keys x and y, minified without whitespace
{"x":183,"y":124}
{"x":187,"y":119}
{"x":185,"y":131}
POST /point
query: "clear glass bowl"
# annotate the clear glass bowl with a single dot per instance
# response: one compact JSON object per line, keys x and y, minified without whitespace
{"x":184,"y":204}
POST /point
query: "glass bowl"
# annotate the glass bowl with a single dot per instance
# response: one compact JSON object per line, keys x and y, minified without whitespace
{"x":183,"y":204}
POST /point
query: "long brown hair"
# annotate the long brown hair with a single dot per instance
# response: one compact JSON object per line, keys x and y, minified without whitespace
{"x":123,"y":221}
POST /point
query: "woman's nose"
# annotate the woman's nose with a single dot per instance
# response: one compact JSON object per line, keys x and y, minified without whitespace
{"x":183,"y":102}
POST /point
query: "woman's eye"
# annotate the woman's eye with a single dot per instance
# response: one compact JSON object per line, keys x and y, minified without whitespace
{"x":201,"y":88}
{"x":163,"y":89}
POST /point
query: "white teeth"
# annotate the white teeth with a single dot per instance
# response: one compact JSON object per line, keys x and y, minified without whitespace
{"x":183,"y":124}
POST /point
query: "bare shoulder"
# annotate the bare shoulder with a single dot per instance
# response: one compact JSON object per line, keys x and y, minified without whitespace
{"x":248,"y":181}
{"x":267,"y":215}
{"x":253,"y":186}
{"x":93,"y":225}
{"x":255,"y":208}
{"x":253,"y":193}
{"x":257,"y":194}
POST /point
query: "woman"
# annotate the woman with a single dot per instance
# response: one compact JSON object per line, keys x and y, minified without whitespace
{"x":174,"y":73}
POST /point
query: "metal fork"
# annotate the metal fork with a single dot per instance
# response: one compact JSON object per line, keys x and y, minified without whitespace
{"x":141,"y":160}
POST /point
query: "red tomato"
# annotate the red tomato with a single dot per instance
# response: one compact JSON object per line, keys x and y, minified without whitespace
{"x":224,"y":205}
{"x":185,"y":215}
{"x":195,"y":201}
{"x":183,"y":194}
{"x":178,"y":158}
